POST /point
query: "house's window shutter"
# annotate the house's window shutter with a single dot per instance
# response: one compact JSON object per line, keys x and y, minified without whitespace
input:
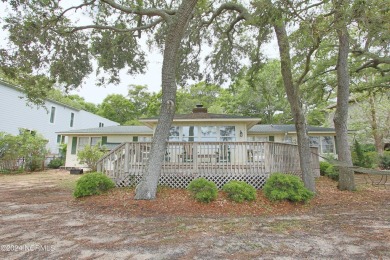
{"x":104,"y":140}
{"x":58,"y":139}
{"x":71,"y":119}
{"x":74,"y":144}
{"x":52,"y":114}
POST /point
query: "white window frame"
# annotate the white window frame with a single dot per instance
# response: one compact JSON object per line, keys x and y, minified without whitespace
{"x":89,"y":141}
{"x":332,"y":145}
{"x":81,"y":145}
{"x":198,"y":134}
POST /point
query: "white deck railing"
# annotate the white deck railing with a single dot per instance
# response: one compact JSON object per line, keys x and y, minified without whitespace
{"x":252,"y":162}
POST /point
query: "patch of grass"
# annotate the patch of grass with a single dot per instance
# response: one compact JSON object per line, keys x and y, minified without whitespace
{"x":285,"y":226}
{"x":12,"y":172}
{"x":68,"y":184}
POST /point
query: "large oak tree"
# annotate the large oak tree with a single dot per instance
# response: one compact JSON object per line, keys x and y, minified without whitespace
{"x":46,"y":39}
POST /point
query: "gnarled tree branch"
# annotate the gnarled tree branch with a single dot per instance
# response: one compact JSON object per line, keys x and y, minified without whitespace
{"x":113,"y":28}
{"x":308,"y":60}
{"x":244,"y":14}
{"x":165,"y":14}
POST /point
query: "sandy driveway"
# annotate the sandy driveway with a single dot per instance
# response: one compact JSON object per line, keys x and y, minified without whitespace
{"x":39,"y":220}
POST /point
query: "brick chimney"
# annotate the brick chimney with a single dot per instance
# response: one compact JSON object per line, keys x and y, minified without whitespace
{"x":199,"y":109}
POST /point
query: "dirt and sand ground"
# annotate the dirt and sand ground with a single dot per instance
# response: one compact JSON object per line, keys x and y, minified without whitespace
{"x":41,"y":220}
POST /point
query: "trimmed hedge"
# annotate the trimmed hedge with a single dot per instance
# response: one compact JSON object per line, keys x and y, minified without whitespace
{"x":239,"y":191}
{"x":281,"y":186}
{"x":93,"y":183}
{"x":203,"y":190}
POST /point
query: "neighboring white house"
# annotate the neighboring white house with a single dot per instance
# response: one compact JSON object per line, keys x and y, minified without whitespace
{"x":196,"y":127}
{"x":16,"y":114}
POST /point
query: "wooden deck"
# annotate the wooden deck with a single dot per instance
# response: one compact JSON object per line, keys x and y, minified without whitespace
{"x":218,"y":161}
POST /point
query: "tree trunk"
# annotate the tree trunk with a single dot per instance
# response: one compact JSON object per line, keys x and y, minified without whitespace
{"x":296,"y":107}
{"x":378,"y":137}
{"x":346,"y":175}
{"x":147,"y":188}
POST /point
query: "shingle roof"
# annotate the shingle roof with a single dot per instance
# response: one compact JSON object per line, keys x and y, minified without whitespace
{"x":202,"y":116}
{"x":286,"y":129}
{"x":147,"y":130}
{"x":112,"y":130}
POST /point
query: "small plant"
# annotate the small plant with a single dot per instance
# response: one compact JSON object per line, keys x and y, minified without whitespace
{"x":239,"y":191}
{"x":324,"y":165}
{"x":332,"y":172}
{"x":384,"y":161}
{"x":359,"y":157}
{"x":203,"y":190}
{"x":56,"y":163}
{"x":374,"y":157}
{"x":90,"y":155}
{"x":92,"y":183}
{"x":5,"y":171}
{"x":286,"y":187}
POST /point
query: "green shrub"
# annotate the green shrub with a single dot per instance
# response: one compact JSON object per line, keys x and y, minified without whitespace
{"x":384,"y":161}
{"x":368,"y":148}
{"x":92,"y":183}
{"x":5,"y":171}
{"x":29,"y":145}
{"x":359,"y":157}
{"x":239,"y":191}
{"x":332,"y":172}
{"x":56,"y":163}
{"x":373,"y":157}
{"x":324,"y":165}
{"x":281,"y":186}
{"x":90,"y":155}
{"x":203,"y":190}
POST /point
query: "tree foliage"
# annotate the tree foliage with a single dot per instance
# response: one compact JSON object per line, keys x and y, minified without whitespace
{"x":117,"y":108}
{"x":90,"y":155}
{"x":30,"y":147}
{"x":199,"y":93}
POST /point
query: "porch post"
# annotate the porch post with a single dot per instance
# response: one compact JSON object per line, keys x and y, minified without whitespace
{"x":127,"y":155}
{"x":267,"y":158}
{"x":195,"y":157}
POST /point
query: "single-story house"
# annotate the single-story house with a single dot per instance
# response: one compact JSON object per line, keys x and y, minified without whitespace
{"x":200,"y":141}
{"x":197,"y":127}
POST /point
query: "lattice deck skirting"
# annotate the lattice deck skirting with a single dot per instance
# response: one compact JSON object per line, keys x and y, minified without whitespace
{"x":182,"y":180}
